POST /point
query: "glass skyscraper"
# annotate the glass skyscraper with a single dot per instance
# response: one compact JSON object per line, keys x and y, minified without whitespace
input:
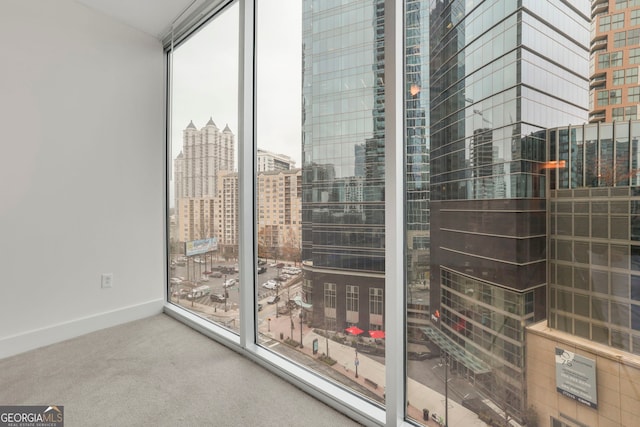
{"x":500,"y":73}
{"x":343,"y":156}
{"x":343,"y":161}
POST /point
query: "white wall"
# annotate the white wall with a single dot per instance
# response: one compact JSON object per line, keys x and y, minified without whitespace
{"x":81,"y":173}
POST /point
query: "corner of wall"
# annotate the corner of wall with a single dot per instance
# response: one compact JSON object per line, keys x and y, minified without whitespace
{"x":20,"y":343}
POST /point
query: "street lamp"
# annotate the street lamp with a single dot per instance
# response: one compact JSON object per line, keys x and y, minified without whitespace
{"x":277,"y":287}
{"x":356,"y":362}
{"x":446,"y":389}
{"x":226,"y":294}
{"x":301,"y":317}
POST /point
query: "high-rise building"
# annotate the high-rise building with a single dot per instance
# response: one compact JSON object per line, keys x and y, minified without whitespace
{"x":196,"y":219}
{"x":500,"y":74}
{"x":417,"y":140}
{"x":279,"y":214}
{"x":615,"y":59}
{"x":268,"y":161}
{"x":583,"y":362}
{"x":205,"y":153}
{"x":343,"y":157}
{"x":343,"y":162}
{"x":594,"y":262}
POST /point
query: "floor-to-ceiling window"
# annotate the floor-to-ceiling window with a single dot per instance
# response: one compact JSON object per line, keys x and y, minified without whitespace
{"x":203,"y":180}
{"x":358,"y":199}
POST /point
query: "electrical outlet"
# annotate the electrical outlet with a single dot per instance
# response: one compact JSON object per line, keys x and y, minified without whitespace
{"x":107,"y":280}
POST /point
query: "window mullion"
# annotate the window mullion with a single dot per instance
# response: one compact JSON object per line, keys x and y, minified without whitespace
{"x":394,"y":213}
{"x":246,"y":174}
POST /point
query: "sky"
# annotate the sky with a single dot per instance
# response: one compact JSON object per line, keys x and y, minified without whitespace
{"x":205,"y":77}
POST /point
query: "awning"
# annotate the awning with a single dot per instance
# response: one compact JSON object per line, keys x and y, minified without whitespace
{"x":300,"y":303}
{"x":470,"y":361}
{"x":354,"y":330}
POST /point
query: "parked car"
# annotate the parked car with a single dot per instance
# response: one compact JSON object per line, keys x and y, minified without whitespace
{"x":182,"y":293}
{"x":273,"y":299}
{"x":229,"y":283}
{"x":215,"y":274}
{"x":262,"y":270}
{"x":270,"y":284}
{"x":217,"y":297}
{"x":260,"y":306}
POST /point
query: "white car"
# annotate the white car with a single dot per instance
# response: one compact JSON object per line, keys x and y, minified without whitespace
{"x":271,"y":284}
{"x":229,"y":283}
{"x":176,"y":280}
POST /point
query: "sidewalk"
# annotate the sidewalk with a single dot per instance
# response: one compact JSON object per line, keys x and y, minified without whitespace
{"x":371,"y":374}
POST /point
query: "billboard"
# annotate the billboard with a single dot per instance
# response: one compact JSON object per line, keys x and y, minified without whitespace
{"x":576,"y":377}
{"x":196,"y":247}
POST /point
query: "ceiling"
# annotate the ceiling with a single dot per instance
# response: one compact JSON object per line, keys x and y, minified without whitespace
{"x":154,"y":17}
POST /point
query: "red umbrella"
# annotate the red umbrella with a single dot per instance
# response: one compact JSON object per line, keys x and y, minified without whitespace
{"x":376,"y":334}
{"x":354,"y":330}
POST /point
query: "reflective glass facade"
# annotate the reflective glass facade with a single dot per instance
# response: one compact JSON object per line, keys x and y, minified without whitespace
{"x":343,"y":154}
{"x":417,"y":139}
{"x":594,"y":267}
{"x":500,"y":73}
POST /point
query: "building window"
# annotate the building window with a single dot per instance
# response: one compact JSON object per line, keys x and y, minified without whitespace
{"x":613,"y":59}
{"x":634,"y":56}
{"x":633,"y":94}
{"x":376,"y":301}
{"x":352,"y":298}
{"x":605,"y":24}
{"x":617,"y":114}
{"x":330,"y":295}
{"x":633,"y":37}
{"x":623,"y":4}
{"x":635,"y":17}
{"x":631,"y":75}
{"x":615,"y":96}
{"x":618,"y":77}
{"x":616,"y":59}
{"x":617,"y":21}
{"x":603,"y":98}
{"x":603,"y":60}
{"x":620,"y":39}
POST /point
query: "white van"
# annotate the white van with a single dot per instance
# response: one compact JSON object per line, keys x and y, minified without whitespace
{"x":200,"y":291}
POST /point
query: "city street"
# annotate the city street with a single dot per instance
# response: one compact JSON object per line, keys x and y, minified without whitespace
{"x":281,"y":333}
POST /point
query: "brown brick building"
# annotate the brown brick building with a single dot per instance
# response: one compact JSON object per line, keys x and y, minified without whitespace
{"x":615,"y":60}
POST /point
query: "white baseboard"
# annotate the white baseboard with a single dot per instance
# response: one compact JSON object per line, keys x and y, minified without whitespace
{"x":29,"y":340}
